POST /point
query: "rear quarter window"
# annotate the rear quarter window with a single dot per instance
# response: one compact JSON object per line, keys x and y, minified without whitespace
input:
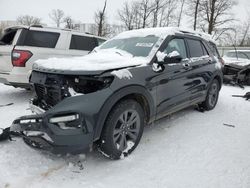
{"x":214,"y":49}
{"x":38,"y":39}
{"x":8,"y":37}
{"x":82,"y":43}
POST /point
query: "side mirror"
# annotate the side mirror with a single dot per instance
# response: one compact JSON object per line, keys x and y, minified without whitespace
{"x":173,"y":57}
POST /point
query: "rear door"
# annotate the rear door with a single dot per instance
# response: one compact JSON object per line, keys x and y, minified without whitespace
{"x":7,"y":43}
{"x":199,"y":62}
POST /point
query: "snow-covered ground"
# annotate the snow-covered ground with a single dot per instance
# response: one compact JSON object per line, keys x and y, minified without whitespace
{"x":188,"y":149}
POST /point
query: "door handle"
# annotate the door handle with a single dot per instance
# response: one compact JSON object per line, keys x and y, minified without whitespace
{"x":186,"y":65}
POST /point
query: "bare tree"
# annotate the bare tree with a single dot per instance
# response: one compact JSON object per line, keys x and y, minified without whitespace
{"x":57,"y":16}
{"x":193,"y":11}
{"x":168,"y":14}
{"x":144,"y":13}
{"x":146,"y":8}
{"x":182,"y":2}
{"x":28,"y":20}
{"x":246,"y":31}
{"x":216,"y":14}
{"x":158,"y":6}
{"x":69,"y":22}
{"x":101,"y":21}
{"x":197,"y":4}
{"x":126,"y":16}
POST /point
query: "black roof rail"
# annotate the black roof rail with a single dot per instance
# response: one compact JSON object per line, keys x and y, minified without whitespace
{"x":37,"y":25}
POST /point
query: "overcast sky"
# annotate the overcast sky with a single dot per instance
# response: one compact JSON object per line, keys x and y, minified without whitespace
{"x":79,"y":10}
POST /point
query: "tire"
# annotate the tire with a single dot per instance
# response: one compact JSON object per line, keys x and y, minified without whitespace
{"x":122,"y":130}
{"x":212,"y":96}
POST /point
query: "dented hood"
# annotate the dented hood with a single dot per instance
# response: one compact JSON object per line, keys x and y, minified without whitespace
{"x":94,"y":63}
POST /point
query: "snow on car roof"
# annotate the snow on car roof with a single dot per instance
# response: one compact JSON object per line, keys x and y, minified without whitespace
{"x":158,"y":31}
{"x":163,"y":32}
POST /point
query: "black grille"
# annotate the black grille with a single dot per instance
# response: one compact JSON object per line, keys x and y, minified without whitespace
{"x":48,"y":96}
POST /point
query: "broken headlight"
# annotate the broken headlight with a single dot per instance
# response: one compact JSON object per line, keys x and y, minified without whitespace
{"x":70,"y":121}
{"x":86,"y":84}
{"x":66,"y":118}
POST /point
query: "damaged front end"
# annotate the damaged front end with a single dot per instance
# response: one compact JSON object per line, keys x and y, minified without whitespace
{"x":65,"y":117}
{"x":236,"y":74}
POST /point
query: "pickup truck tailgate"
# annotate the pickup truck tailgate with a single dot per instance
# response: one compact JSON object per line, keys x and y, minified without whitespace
{"x":5,"y":58}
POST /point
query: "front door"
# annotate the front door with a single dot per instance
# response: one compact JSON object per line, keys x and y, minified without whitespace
{"x":172,"y":84}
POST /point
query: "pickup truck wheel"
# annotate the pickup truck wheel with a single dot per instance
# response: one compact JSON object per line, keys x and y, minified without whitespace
{"x":123,"y":130}
{"x":212,"y":96}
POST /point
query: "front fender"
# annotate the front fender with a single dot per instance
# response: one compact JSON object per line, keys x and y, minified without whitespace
{"x":96,"y":106}
{"x":118,"y":95}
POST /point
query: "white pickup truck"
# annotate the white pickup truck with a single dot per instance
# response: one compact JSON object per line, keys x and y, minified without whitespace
{"x":21,"y":46}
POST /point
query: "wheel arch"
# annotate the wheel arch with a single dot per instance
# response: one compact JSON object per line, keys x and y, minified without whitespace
{"x":135,"y":92}
{"x":219,"y":79}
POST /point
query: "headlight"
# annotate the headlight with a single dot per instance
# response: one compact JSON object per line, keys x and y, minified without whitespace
{"x":62,"y":119}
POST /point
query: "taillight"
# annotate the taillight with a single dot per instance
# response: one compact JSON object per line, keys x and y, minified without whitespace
{"x":20,"y":57}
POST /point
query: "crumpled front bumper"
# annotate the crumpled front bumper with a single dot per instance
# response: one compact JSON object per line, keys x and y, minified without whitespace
{"x":39,"y":133}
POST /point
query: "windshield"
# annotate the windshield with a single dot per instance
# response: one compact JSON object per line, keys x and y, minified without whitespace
{"x":240,"y":54}
{"x":137,"y":46}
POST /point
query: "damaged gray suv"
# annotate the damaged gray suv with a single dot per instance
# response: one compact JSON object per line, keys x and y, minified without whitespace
{"x":108,"y":96}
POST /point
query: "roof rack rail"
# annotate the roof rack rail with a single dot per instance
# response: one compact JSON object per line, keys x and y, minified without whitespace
{"x":37,"y":25}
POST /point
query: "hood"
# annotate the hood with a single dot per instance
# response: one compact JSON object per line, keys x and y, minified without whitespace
{"x":94,"y":63}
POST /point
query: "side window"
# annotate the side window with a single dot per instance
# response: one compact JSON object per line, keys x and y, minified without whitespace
{"x":82,"y":43}
{"x":100,"y":41}
{"x":177,"y":45}
{"x":40,"y":39}
{"x":195,"y":48}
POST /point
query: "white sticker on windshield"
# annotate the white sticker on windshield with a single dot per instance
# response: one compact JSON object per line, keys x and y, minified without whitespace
{"x":148,"y":45}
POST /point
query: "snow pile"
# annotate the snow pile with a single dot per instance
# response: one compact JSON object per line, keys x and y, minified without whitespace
{"x":186,"y":149}
{"x":100,"y":60}
{"x":122,"y":74}
{"x":173,"y":54}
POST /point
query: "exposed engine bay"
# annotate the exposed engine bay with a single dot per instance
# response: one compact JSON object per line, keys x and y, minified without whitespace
{"x":52,"y":88}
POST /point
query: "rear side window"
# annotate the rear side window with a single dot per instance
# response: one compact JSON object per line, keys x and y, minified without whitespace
{"x":196,"y":48}
{"x":82,"y":43}
{"x":39,"y":39}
